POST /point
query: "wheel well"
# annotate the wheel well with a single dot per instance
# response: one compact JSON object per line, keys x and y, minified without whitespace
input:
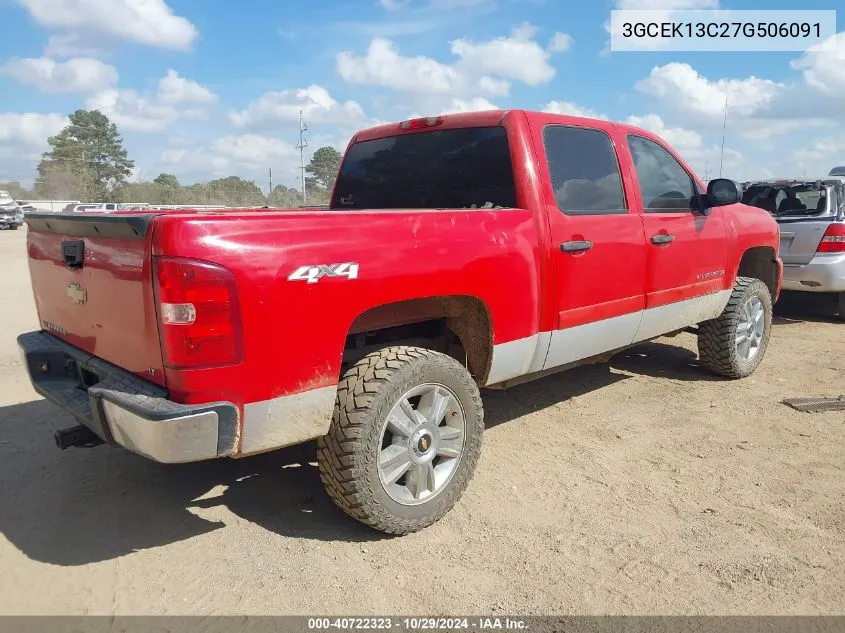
{"x":459,"y":326}
{"x":759,"y":263}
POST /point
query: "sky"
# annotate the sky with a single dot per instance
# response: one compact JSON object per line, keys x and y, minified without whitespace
{"x":210,"y":88}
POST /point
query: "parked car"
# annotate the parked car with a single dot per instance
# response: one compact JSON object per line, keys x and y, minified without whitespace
{"x":458,"y":252}
{"x":120,"y":206}
{"x":811,"y":217}
{"x":79,"y":207}
{"x":11,"y":216}
{"x":25,"y":207}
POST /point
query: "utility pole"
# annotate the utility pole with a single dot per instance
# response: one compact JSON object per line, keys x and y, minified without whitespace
{"x":84,"y":184}
{"x":706,"y":171}
{"x":270,"y":193}
{"x":301,"y":147}
{"x":724,"y":127}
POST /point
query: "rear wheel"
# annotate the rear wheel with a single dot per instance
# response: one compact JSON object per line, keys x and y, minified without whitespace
{"x":405,"y":438}
{"x":842,"y":306}
{"x":733,"y":345}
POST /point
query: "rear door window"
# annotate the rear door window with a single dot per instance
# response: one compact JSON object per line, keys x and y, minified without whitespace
{"x":584,"y":171}
{"x":467,"y":168}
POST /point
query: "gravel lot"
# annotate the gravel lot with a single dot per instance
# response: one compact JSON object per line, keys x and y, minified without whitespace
{"x":646,"y":486}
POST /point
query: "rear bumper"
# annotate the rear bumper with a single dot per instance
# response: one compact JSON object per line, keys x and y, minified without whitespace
{"x":125,"y":410}
{"x":824,"y":273}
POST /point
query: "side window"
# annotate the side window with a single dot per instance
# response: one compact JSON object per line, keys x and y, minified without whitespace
{"x":584,"y":171}
{"x":664,"y":184}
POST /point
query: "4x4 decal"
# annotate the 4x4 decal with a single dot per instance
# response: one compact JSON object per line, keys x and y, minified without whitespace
{"x":313,"y":274}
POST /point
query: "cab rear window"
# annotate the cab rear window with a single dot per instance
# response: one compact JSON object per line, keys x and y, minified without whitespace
{"x":467,"y":168}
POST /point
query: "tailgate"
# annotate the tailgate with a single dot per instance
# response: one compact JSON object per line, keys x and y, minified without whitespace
{"x":800,"y":238}
{"x":92,"y":281}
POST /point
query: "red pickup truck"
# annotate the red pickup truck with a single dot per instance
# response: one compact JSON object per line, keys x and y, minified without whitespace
{"x":458,"y":252}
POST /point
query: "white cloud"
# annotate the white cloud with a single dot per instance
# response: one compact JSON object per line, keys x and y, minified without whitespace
{"x":30,"y":129}
{"x":392,"y":5}
{"x":83,"y":74}
{"x":283,"y":108}
{"x":475,"y":104}
{"x":139,"y":112}
{"x":175,"y":89}
{"x":675,"y":5}
{"x":149,"y":22}
{"x":74,"y":45}
{"x":572,"y":109}
{"x":486,"y":67}
{"x":517,"y":57}
{"x":827,"y":150}
{"x":384,"y":66}
{"x":679,"y":138}
{"x":494,"y":86}
{"x":760,"y":111}
{"x":253,"y":150}
{"x":824,"y":70}
{"x":23,"y":137}
{"x":132,"y":111}
{"x":560,"y":43}
{"x":525,"y":31}
{"x":682,"y":85}
{"x":243,"y":154}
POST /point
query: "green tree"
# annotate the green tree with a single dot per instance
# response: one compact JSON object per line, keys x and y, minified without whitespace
{"x":16,"y":190}
{"x":285,"y":197}
{"x":166,"y":180}
{"x":323,"y":169}
{"x":234,"y":191}
{"x":86,"y":160}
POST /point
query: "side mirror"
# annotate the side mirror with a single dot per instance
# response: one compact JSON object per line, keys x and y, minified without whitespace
{"x":722,"y":192}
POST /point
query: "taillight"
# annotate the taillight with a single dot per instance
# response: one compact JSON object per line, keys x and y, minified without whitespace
{"x":418,"y":124}
{"x":833,"y":240}
{"x":199,"y":314}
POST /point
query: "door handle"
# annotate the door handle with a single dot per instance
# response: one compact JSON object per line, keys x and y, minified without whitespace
{"x":576,"y":246}
{"x":662,"y":238}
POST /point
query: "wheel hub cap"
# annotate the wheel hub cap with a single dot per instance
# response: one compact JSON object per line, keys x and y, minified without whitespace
{"x":750,"y":329}
{"x":422,"y":442}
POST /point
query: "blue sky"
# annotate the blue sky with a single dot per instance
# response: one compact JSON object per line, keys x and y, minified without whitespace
{"x":211,"y":88}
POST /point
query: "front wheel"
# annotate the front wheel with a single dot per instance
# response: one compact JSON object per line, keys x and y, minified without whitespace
{"x":733,"y":345}
{"x":404,"y":440}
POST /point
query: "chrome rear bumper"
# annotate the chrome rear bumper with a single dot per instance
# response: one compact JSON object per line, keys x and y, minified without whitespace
{"x":125,"y":410}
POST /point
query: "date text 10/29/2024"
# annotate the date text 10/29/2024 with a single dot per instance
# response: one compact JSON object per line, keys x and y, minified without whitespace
{"x":418,"y":624}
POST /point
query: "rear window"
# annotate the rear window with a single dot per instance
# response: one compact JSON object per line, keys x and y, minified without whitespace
{"x":466,"y":168}
{"x":792,"y":200}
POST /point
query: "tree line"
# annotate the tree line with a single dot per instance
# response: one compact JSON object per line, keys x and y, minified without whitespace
{"x":86,"y":161}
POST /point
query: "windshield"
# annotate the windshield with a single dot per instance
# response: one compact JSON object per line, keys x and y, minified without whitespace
{"x":837,"y":171}
{"x":442,"y":169}
{"x":792,"y":199}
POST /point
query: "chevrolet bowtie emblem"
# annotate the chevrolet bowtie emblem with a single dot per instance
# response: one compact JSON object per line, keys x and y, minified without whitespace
{"x":77,"y":293}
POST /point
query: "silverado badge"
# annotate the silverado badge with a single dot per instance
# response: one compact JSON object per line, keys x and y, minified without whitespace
{"x":77,"y":293}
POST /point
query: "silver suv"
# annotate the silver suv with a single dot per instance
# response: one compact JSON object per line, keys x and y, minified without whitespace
{"x":811,"y":216}
{"x":11,"y":215}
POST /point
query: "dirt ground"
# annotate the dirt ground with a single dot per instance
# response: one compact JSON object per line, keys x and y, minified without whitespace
{"x":642,"y":487}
